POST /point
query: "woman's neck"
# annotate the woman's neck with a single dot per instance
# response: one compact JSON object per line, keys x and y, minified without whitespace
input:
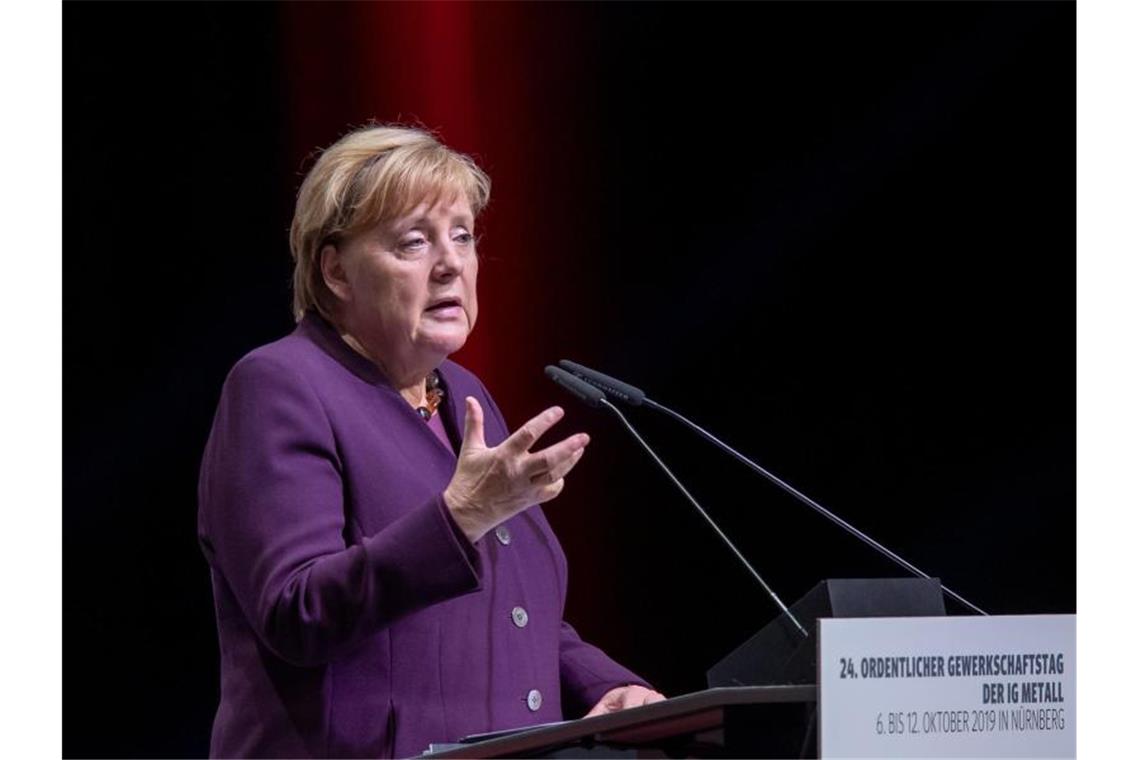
{"x":411,"y":385}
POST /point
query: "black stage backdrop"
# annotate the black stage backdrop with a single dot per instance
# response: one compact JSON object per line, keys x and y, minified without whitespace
{"x":840,"y":235}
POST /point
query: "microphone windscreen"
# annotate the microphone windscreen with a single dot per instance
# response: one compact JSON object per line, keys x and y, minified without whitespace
{"x":611,"y":385}
{"x":585,"y":392}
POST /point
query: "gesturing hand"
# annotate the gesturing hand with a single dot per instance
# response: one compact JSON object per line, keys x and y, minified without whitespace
{"x":491,"y":485}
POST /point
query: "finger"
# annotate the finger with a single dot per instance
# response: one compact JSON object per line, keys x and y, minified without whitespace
{"x":546,"y":493}
{"x":598,"y":709}
{"x":632,"y":698}
{"x":523,"y":438}
{"x":654,"y":696}
{"x":610,"y":702}
{"x":552,"y":456}
{"x":560,"y":470}
{"x":473,"y":425}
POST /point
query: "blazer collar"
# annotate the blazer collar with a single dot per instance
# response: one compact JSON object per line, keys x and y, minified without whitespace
{"x":319,"y":330}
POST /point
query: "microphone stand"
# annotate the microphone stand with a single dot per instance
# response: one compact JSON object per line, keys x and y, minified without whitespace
{"x":594,"y":397}
{"x":709,"y":520}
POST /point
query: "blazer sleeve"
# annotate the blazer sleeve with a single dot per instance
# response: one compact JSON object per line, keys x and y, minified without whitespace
{"x":272,"y":522}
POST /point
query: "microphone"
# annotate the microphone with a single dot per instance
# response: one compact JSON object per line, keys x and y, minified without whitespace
{"x":586,"y":393}
{"x":610,"y":385}
{"x":594,"y":397}
{"x":604,"y":381}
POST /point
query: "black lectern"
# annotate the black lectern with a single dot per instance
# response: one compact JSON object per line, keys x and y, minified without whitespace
{"x":779,"y":653}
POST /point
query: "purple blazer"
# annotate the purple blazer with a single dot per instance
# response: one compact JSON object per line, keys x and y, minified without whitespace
{"x":354,"y":618}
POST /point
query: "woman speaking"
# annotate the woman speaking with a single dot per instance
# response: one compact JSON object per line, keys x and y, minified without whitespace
{"x":383,"y":575}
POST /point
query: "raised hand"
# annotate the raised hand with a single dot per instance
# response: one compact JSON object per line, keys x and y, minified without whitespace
{"x":492,"y":484}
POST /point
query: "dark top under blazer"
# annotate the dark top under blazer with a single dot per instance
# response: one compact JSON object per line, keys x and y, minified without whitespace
{"x":354,"y":618}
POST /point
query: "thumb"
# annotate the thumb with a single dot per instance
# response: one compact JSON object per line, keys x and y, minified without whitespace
{"x":473,"y":425}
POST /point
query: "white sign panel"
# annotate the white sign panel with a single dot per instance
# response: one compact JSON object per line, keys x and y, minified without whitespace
{"x":999,"y":686}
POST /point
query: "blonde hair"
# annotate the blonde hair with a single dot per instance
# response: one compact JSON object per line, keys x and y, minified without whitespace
{"x":370,"y":175}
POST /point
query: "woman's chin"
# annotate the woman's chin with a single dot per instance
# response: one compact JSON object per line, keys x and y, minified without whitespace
{"x":442,"y":344}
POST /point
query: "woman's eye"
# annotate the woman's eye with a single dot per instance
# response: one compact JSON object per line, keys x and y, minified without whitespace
{"x":412,"y":244}
{"x":464,"y":238}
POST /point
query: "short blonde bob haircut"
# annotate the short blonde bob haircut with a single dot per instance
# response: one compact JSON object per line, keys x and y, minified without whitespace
{"x":371,"y":175}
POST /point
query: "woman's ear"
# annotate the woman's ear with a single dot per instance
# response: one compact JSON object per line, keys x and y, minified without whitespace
{"x":332,"y":271}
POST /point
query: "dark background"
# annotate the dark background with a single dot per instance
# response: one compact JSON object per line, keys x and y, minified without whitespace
{"x":842,"y":236}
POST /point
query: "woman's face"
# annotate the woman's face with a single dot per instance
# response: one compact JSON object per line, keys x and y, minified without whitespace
{"x":407,"y":286}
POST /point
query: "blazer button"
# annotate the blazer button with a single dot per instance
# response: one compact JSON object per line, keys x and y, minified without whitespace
{"x":503,"y":533}
{"x":518,"y":614}
{"x":534,"y":700}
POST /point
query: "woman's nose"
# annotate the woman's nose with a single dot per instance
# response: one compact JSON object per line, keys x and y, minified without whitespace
{"x":450,"y":261}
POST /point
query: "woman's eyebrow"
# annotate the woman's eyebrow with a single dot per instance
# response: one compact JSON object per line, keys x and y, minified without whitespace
{"x":419,"y":221}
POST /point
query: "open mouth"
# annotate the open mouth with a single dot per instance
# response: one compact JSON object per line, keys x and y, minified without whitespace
{"x":444,"y":305}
